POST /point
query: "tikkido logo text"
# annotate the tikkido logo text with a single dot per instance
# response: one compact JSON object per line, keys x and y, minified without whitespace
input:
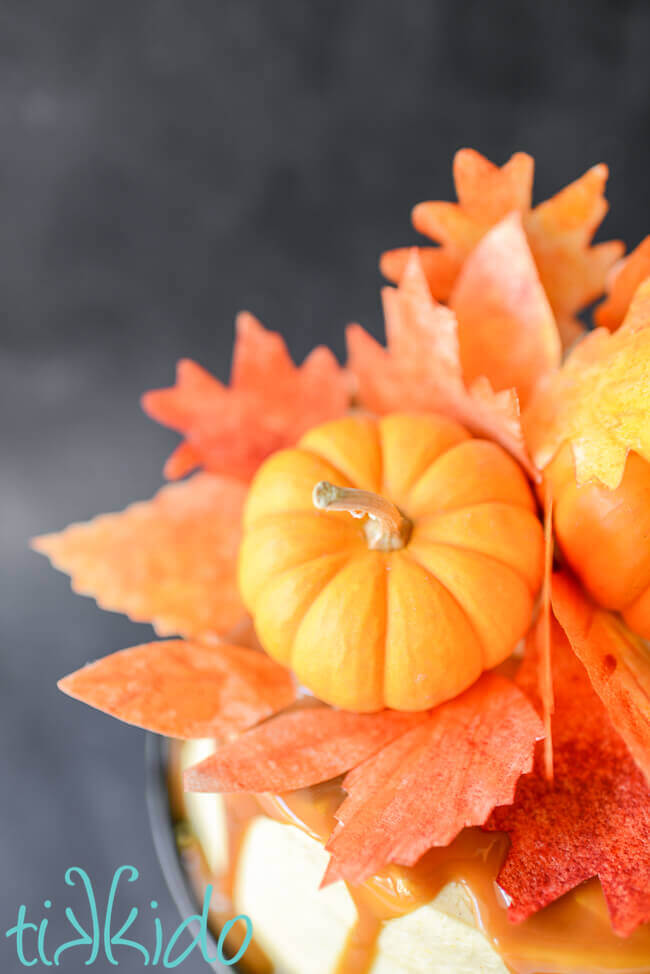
{"x":100,"y":936}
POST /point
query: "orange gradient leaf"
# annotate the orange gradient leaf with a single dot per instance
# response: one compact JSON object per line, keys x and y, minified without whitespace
{"x":269,"y":404}
{"x":506,"y":328}
{"x":593,"y":819}
{"x":298,"y":749}
{"x":559,"y":232}
{"x":447,"y":772}
{"x":184,"y":690}
{"x":624,"y":280}
{"x":617,"y":662}
{"x":421,"y":369}
{"x":170,"y":561}
{"x":599,"y":400}
{"x":486,"y":194}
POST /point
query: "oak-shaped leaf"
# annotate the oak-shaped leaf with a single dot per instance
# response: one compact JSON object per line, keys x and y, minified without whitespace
{"x":447,"y":772}
{"x":559,"y":231}
{"x":170,"y":560}
{"x":420,"y":370}
{"x":268,"y":405}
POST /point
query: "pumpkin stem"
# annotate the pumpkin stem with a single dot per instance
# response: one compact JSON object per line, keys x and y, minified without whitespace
{"x":386,"y":528}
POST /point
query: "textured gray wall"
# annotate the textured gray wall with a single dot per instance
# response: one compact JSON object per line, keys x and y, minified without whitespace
{"x":162,"y":165}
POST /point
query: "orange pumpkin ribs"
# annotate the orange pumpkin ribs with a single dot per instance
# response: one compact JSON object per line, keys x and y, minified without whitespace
{"x":405,"y":606}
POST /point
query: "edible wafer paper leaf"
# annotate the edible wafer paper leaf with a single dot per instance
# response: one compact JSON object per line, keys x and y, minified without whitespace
{"x":559,"y":232}
{"x":183,"y":689}
{"x":625,"y":278}
{"x":506,"y":327}
{"x":486,"y":194}
{"x":448,"y":772}
{"x":599,"y":401}
{"x":593,"y":819}
{"x":421,"y":370}
{"x":170,"y":560}
{"x":269,"y":404}
{"x":617,"y":661}
{"x":298,"y":749}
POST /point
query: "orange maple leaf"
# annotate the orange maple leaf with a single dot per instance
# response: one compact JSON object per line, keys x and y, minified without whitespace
{"x":170,"y":561}
{"x":469,"y":753}
{"x":599,"y":401}
{"x":559,"y":231}
{"x":269,"y":404}
{"x":421,"y":369}
{"x":297,"y":750}
{"x":183,"y":689}
{"x":624,"y":279}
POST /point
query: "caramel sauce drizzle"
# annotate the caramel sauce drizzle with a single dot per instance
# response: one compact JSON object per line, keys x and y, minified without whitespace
{"x":571,"y":936}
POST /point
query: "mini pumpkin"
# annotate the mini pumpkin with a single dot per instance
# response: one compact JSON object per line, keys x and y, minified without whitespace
{"x":432,"y":583}
{"x":598,"y":528}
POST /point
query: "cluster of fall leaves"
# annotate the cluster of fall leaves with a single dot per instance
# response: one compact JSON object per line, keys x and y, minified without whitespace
{"x":513,"y":279}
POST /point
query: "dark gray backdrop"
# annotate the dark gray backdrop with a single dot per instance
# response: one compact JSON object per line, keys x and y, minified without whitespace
{"x":162,"y":165}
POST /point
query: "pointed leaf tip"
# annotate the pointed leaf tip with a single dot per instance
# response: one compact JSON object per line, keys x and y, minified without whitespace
{"x":184,"y":689}
{"x":506,"y":326}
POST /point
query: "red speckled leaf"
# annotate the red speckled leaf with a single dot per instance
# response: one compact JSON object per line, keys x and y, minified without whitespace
{"x":421,"y":369}
{"x":448,"y":772}
{"x":624,"y":280}
{"x":269,"y":405}
{"x":617,"y":662}
{"x":559,"y":231}
{"x":506,"y":327}
{"x":184,"y":690}
{"x":592,"y":820}
{"x":297,"y":749}
{"x":170,"y":561}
